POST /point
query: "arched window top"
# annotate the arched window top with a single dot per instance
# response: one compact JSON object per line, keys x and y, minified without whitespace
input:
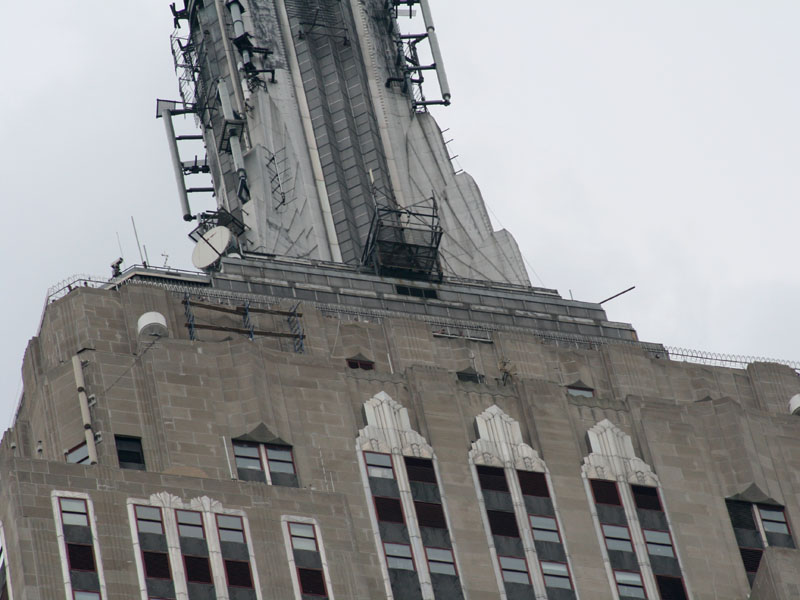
{"x":500,"y":443}
{"x":389,"y":430}
{"x":613,"y":457}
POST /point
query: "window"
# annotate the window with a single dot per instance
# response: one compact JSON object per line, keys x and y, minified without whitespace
{"x":646,"y":497}
{"x":82,"y":595}
{"x":751,"y":557}
{"x":556,"y":575}
{"x":757,"y":526}
{"x":74,"y":512}
{"x":514,"y":570}
{"x":156,"y":565}
{"x":251,"y":457}
{"x":398,"y":556}
{"x":629,"y":584}
{"x":773,"y":519}
{"x":389,"y":509}
{"x":420,"y":469}
{"x":605,"y":492}
{"x":190,"y":524}
{"x":659,"y":543}
{"x":81,"y":557}
{"x":312,"y":582}
{"x":430,"y":515}
{"x":379,"y":465}
{"x":492,"y":478}
{"x":238,"y":573}
{"x":279,"y":459}
{"x":198,"y":569}
{"x":148,"y":519}
{"x":533,"y":484}
{"x":247,"y":456}
{"x":671,"y":588}
{"x":470,"y":376}
{"x":503,"y":523}
{"x":617,"y":538}
{"x":545,"y":529}
{"x":408,"y":290}
{"x":230,"y":529}
{"x":440,"y":560}
{"x":580,"y":392}
{"x":129,"y":452}
{"x":366,"y":365}
{"x":303,"y":537}
{"x":79,"y":454}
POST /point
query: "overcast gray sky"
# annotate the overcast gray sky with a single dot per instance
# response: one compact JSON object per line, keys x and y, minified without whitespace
{"x":653,"y":144}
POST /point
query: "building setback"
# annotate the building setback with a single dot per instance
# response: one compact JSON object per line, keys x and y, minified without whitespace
{"x":359,"y":395}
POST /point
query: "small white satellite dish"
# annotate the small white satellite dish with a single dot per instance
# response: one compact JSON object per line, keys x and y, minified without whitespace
{"x":211,"y":247}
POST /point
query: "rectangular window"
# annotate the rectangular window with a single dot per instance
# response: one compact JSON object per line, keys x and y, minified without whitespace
{"x":646,"y":497}
{"x":389,"y":509}
{"x":74,"y":512}
{"x":129,"y":452}
{"x":238,"y":573}
{"x":280,"y":459}
{"x":533,"y":484}
{"x":430,"y":515}
{"x":231,"y":529}
{"x":556,"y":575}
{"x":671,"y":588}
{"x":148,"y":519}
{"x":773,"y":519}
{"x":312,"y":582}
{"x":659,"y":543}
{"x":198,"y":569}
{"x":629,"y":584}
{"x":83,"y":595}
{"x":78,"y":455}
{"x":156,"y":565}
{"x":440,"y":560}
{"x":515,"y":570}
{"x":247,"y":456}
{"x":605,"y":492}
{"x":580,"y":392}
{"x":420,"y":469}
{"x":617,"y":538}
{"x":503,"y":523}
{"x":303,"y":537}
{"x":492,"y":478}
{"x":398,"y":556}
{"x":545,"y":529}
{"x":379,"y":465}
{"x":81,"y":557}
{"x":190,"y":524}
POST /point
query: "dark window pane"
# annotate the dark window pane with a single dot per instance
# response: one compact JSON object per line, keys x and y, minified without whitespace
{"x":671,"y":588}
{"x":420,"y":469}
{"x":430,"y":515}
{"x":533,"y":484}
{"x":156,"y":565}
{"x":312,"y":581}
{"x":129,"y":452}
{"x":751,"y":557}
{"x":81,"y":557}
{"x":605,"y":492}
{"x":741,"y":514}
{"x":492,"y":478}
{"x":238,"y":572}
{"x":389,"y":509}
{"x":503,"y":523}
{"x":198,"y":570}
{"x":646,"y":497}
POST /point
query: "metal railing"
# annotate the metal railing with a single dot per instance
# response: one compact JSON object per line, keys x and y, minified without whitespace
{"x":716,"y":359}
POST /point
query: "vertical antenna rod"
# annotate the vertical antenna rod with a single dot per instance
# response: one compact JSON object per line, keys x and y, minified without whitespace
{"x":177,"y":167}
{"x":444,"y":86}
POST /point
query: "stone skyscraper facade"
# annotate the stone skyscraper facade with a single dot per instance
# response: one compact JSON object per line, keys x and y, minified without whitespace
{"x":359,"y":395}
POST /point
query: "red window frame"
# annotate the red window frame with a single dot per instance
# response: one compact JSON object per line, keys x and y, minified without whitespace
{"x":72,"y":512}
{"x":244,"y":534}
{"x":781,"y":509}
{"x":658,"y":497}
{"x":136,"y":516}
{"x":300,"y":582}
{"x":255,"y":445}
{"x":671,"y":540}
{"x":619,"y":496}
{"x":302,"y":537}
{"x":644,"y":588}
{"x":186,"y":570}
{"x":386,"y":555}
{"x":202,"y":522}
{"x":249,"y":569}
{"x":557,"y":530}
{"x":513,"y":520}
{"x":99,"y":595}
{"x":169,"y":565}
{"x":523,"y":559}
{"x":83,"y":461}
{"x":452,"y":555}
{"x":683,"y":583}
{"x":545,"y":575}
{"x":527,"y":474}
{"x":94,"y":559}
{"x":283,"y":448}
{"x":391,"y":462}
{"x":377,"y":515}
{"x":629,"y":539}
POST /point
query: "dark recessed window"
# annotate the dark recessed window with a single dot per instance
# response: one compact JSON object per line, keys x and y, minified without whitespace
{"x":646,"y":497}
{"x":389,"y":509}
{"x":420,"y":469}
{"x":312,"y":582}
{"x":238,"y":573}
{"x":81,"y":557}
{"x":470,"y":377}
{"x":751,"y":557}
{"x":533,"y":484}
{"x":79,"y":455}
{"x":430,"y":515}
{"x":366,"y":365}
{"x":741,"y":514}
{"x":492,"y":478}
{"x":671,"y":588}
{"x":408,"y":290}
{"x":129,"y":452}
{"x":198,"y":569}
{"x":156,"y":565}
{"x":605,"y":492}
{"x":503,"y":523}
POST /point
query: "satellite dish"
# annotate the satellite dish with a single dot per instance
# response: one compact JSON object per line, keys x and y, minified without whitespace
{"x":212,"y":246}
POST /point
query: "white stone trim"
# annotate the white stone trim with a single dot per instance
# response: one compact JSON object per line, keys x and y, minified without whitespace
{"x":287,"y":541}
{"x":5,"y":558}
{"x":62,"y":548}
